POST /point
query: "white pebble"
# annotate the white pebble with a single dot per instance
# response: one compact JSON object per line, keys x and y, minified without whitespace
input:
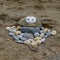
{"x":36,"y":34}
{"x":42,"y":35}
{"x":38,"y":41}
{"x":34,"y":44}
{"x":42,"y":40}
{"x":7,"y":28}
{"x":53,"y":32}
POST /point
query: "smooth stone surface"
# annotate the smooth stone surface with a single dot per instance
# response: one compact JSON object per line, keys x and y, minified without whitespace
{"x":16,"y":38}
{"x":11,"y":34}
{"x":41,"y":28}
{"x":17,"y":32}
{"x":42,"y":35}
{"x":12,"y":30}
{"x":18,"y":27}
{"x":46,"y":29}
{"x":37,"y":38}
{"x":28,"y":36}
{"x":28,"y":42}
{"x":36,"y":34}
{"x":47,"y":34}
{"x":30,"y":30}
{"x":33,"y":44}
{"x":53,"y":32}
{"x":8,"y":28}
{"x":42,"y":40}
{"x":38,"y":42}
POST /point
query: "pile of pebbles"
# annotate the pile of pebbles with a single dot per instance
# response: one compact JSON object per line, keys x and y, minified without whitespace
{"x":29,"y":39}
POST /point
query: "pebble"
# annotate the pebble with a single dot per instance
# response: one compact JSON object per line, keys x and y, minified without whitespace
{"x":46,"y":29}
{"x":36,"y":34}
{"x":42,"y":31}
{"x":41,"y":28}
{"x":16,"y":38}
{"x":8,"y":28}
{"x":21,"y":37}
{"x":38,"y":38}
{"x":18,"y":27}
{"x":19,"y":41}
{"x":17,"y":32}
{"x":38,"y":42}
{"x":53,"y":32}
{"x":42,"y":40}
{"x":11,"y":29}
{"x":42,"y":35}
{"x":28,"y":42}
{"x":28,"y":36}
{"x":34,"y":45}
{"x":11,"y":34}
{"x":48,"y":34}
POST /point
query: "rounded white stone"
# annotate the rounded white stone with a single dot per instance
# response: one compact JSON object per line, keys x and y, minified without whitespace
{"x":34,"y":44}
{"x":42,"y":40}
{"x":8,"y":28}
{"x":38,"y":41}
{"x":42,"y":35}
{"x":36,"y":34}
{"x":53,"y":32}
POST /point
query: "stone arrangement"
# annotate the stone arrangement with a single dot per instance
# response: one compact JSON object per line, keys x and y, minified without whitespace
{"x":30,"y":39}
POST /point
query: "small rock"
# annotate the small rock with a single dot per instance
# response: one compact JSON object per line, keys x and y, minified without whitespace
{"x":46,"y":29}
{"x":28,"y":36}
{"x":18,"y":27}
{"x":53,"y":32}
{"x":11,"y":34}
{"x":42,"y":40}
{"x":33,"y":45}
{"x":48,"y":34}
{"x":17,"y":32}
{"x":42,"y":35}
{"x":38,"y":42}
{"x":42,"y":31}
{"x":8,"y":28}
{"x":28,"y":42}
{"x":16,"y":38}
{"x":37,"y":38}
{"x":36,"y":34}
{"x":41,"y":28}
{"x":21,"y":37}
{"x":13,"y":27}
